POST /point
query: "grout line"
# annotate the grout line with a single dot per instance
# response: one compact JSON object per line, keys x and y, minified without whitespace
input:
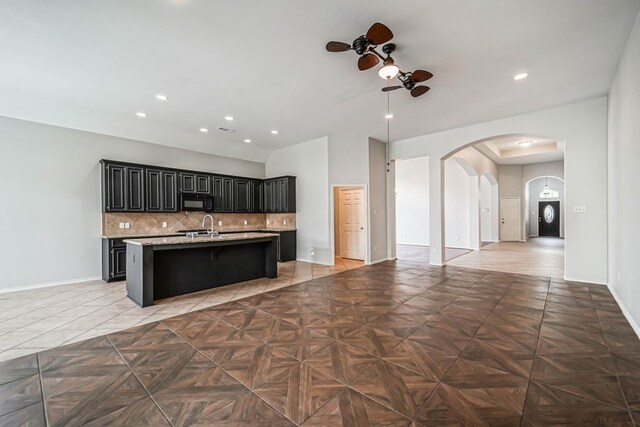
{"x":139,"y":381}
{"x":44,"y":402}
{"x":535,"y":352}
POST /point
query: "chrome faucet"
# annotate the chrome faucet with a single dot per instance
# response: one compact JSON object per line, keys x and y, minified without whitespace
{"x":211,"y":230}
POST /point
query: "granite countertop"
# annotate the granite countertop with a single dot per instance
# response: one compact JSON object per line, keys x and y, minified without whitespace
{"x":181,"y":239}
{"x":144,"y":236}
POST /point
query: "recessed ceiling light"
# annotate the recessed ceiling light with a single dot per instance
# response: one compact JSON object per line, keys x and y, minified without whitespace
{"x":388,"y":116}
{"x":229,"y":118}
{"x":141,"y":114}
{"x":275,"y":132}
{"x":525,"y":144}
{"x":520,"y":76}
{"x":160,"y":97}
{"x":204,"y":130}
{"x":248,"y":141}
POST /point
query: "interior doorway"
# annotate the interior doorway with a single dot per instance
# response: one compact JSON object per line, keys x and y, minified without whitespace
{"x":549,"y":219}
{"x":350,"y":234}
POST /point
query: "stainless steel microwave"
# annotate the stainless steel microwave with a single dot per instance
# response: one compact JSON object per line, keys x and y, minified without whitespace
{"x":196,"y":202}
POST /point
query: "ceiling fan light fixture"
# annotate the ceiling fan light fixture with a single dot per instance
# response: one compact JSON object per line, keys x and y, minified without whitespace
{"x":388,"y":116}
{"x":389,"y":70}
{"x":520,"y":76}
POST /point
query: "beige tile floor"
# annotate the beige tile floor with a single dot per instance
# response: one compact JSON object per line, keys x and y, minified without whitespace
{"x":38,"y":319}
{"x":537,"y":256}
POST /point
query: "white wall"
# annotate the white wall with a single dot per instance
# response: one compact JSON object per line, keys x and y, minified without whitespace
{"x":583,"y":128}
{"x":624,"y":176}
{"x":456,"y":205}
{"x":50,"y":192}
{"x":535,"y":188}
{"x":309,"y":162}
{"x":412,"y":201}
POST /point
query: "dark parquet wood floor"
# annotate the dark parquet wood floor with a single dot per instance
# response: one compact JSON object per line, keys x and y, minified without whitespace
{"x":398,"y":343}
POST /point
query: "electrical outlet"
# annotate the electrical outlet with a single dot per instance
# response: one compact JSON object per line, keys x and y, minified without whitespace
{"x":375,"y":212}
{"x":121,"y":225}
{"x":312,"y":252}
{"x":580,"y":209}
{"x":434,"y":250}
{"x":268,"y":222}
{"x":245,"y":222}
{"x":164,"y":224}
{"x":219,"y":223}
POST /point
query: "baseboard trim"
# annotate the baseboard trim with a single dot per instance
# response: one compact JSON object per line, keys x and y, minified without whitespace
{"x":413,"y":244}
{"x":314,"y":262}
{"x":50,"y":284}
{"x":627,"y":314}
{"x":589,"y":281}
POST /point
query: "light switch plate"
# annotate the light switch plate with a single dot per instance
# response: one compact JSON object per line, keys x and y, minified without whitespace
{"x":268,"y":222}
{"x":121,"y":225}
{"x":164,"y":224}
{"x":285,"y":222}
{"x":126,"y":225}
{"x":219,"y":223}
{"x":245,"y":222}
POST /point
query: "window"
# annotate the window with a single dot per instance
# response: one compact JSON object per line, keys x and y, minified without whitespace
{"x":549,"y":214}
{"x":548,"y":193}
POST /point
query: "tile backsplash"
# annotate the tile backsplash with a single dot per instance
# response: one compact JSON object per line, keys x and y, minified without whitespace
{"x":142,"y":223}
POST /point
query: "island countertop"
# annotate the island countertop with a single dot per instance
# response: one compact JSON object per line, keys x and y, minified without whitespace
{"x":182,"y":240}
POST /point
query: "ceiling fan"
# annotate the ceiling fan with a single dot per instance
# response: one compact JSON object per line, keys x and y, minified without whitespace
{"x":365,"y":46}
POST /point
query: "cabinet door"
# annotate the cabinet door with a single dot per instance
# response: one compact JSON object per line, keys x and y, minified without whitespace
{"x":277,"y":196}
{"x":228,"y":200}
{"x":267,"y":201}
{"x":283,"y":195}
{"x":218,"y":193}
{"x":169,"y":191}
{"x":115,"y":188}
{"x":203,"y":184}
{"x":135,"y":189}
{"x":187,"y":182}
{"x":242,"y":195}
{"x":153,"y":190}
{"x":119,"y":263}
{"x":256,"y":196}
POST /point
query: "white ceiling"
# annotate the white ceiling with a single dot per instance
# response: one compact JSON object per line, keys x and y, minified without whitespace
{"x":92,"y":64}
{"x":506,"y":150}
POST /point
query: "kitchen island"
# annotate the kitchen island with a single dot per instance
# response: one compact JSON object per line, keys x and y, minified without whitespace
{"x":163,"y":267}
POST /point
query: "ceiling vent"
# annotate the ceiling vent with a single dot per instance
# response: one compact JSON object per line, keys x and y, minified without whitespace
{"x":223,"y":129}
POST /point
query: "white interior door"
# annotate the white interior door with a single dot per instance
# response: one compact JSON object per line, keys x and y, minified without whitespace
{"x":510,"y":219}
{"x":351,"y":224}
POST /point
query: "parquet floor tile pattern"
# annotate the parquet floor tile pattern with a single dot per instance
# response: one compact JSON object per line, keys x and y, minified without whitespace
{"x":393,"y":344}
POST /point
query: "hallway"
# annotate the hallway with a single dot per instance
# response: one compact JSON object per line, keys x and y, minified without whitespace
{"x":539,"y":256}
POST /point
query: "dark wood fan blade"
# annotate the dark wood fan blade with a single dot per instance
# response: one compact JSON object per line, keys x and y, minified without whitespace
{"x":338,"y":47}
{"x":390,"y":88}
{"x":421,"y":76}
{"x":379,"y":34}
{"x":366,"y":61}
{"x":419,"y":90}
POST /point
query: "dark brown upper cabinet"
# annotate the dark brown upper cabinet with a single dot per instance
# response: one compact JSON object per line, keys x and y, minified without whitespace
{"x":122,"y":188}
{"x":129,"y":187}
{"x":161,"y":190}
{"x":280,"y":195}
{"x":195,"y":183}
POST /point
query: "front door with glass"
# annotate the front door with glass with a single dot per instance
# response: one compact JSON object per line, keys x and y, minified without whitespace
{"x":549,"y":219}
